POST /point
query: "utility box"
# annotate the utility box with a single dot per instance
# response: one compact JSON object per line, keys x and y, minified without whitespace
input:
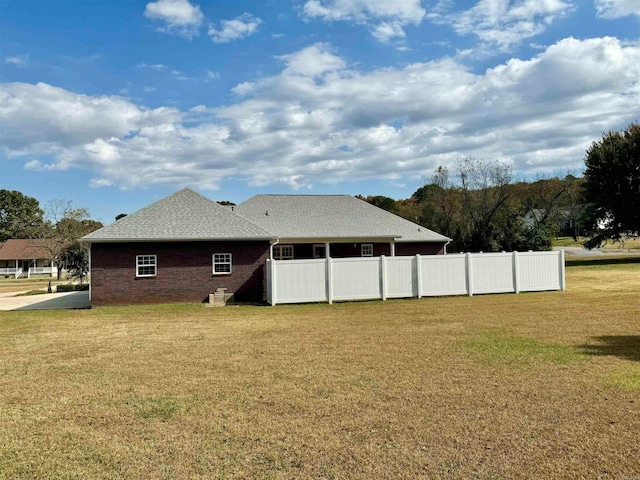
{"x":220,"y":298}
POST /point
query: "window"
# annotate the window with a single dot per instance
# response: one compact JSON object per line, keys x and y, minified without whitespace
{"x":221,"y":263}
{"x":146,"y":265}
{"x":283,"y":252}
{"x":319,"y":251}
{"x":367,"y":250}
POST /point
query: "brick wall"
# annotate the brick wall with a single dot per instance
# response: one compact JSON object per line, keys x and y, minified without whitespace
{"x":184,"y":272}
{"x":414,"y":248}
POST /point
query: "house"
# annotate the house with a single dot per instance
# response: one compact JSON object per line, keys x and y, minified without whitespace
{"x":565,"y":220}
{"x":26,"y":257}
{"x":185,"y":246}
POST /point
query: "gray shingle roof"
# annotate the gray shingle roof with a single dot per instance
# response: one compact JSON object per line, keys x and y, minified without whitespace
{"x":330,"y":216}
{"x":185,"y":215}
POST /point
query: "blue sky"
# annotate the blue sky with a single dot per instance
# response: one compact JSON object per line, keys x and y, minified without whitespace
{"x":115,"y":104}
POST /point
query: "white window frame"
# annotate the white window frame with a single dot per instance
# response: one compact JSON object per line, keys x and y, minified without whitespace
{"x":278,"y":252}
{"x":319,"y":245}
{"x":366,"y":246}
{"x":142,"y":258}
{"x":222,"y":259}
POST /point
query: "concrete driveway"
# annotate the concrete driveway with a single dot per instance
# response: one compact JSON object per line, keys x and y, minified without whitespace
{"x":47,"y":301}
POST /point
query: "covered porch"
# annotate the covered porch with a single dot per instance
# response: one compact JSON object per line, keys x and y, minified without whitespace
{"x":23,"y":258}
{"x":308,"y":248}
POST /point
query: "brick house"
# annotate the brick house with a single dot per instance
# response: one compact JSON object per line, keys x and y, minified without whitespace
{"x":185,"y":246}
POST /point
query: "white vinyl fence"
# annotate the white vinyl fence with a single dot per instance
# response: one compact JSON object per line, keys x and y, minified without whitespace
{"x":333,"y":279}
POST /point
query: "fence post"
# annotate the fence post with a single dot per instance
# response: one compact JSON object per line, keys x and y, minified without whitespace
{"x":418,"y":276}
{"x":516,"y":272}
{"x":383,"y":277}
{"x":329,"y":279}
{"x":563,"y":285}
{"x":469,"y":275}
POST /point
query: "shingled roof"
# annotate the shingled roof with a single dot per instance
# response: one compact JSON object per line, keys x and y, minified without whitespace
{"x":185,"y":215}
{"x":330,"y":216}
{"x":25,"y":249}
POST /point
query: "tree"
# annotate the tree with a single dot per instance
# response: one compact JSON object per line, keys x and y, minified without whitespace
{"x":20,"y":215}
{"x":76,"y":261}
{"x":68,"y":225}
{"x":612,"y":186}
{"x":487,"y":221}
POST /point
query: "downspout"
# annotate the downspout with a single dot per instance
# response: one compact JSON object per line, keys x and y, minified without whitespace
{"x":445,"y":246}
{"x":88,"y":249}
{"x":271,"y":245}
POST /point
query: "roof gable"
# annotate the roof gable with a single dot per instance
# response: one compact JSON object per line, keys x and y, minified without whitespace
{"x":185,"y":215}
{"x":330,"y":216}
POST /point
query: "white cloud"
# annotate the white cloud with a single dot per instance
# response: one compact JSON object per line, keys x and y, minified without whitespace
{"x":386,"y":19}
{"x":176,"y":16}
{"x":312,"y":61}
{"x":617,"y":8}
{"x":318,"y":121}
{"x":153,"y":66}
{"x":236,"y":29}
{"x":502,"y":24}
{"x":18,"y":60}
{"x":384,"y":32}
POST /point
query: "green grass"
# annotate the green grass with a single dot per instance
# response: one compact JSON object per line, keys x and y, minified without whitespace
{"x":32,"y":292}
{"x":627,"y":378}
{"x":499,"y":347}
{"x":567,"y":242}
{"x":536,"y":385}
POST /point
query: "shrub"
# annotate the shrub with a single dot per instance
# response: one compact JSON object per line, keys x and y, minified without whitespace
{"x":72,"y":288}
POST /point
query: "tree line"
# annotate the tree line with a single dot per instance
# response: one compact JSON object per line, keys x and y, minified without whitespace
{"x":480,"y":207}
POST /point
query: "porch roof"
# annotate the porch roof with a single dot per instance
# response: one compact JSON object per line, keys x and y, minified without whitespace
{"x":25,"y":249}
{"x":330,"y":217}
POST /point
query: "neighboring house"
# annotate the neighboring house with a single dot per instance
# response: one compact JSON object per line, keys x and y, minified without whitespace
{"x":566,"y":220}
{"x":185,"y":246}
{"x":24,"y":258}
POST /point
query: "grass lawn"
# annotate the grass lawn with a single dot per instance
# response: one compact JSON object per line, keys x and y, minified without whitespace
{"x":629,"y":243}
{"x":8,"y":285}
{"x":536,"y":385}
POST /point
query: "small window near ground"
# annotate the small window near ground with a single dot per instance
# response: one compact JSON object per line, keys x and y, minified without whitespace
{"x":319,"y":251}
{"x":221,"y":263}
{"x":146,"y":265}
{"x":283,"y":252}
{"x":367,"y":250}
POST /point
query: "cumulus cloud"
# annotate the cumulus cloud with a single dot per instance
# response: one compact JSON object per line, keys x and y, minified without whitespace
{"x":319,"y":120}
{"x":386,"y":19}
{"x":502,"y":24}
{"x":236,"y":29}
{"x":312,"y":61}
{"x":617,"y":8}
{"x":176,"y":16}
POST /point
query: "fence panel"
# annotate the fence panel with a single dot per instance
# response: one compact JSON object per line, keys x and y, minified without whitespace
{"x":300,"y":281}
{"x":539,"y":271}
{"x":492,"y":273}
{"x":400,"y":281}
{"x":443,"y":275}
{"x":356,"y":278}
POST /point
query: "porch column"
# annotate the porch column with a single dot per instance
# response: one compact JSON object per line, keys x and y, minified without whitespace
{"x":393,"y":249}
{"x":326,"y":250}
